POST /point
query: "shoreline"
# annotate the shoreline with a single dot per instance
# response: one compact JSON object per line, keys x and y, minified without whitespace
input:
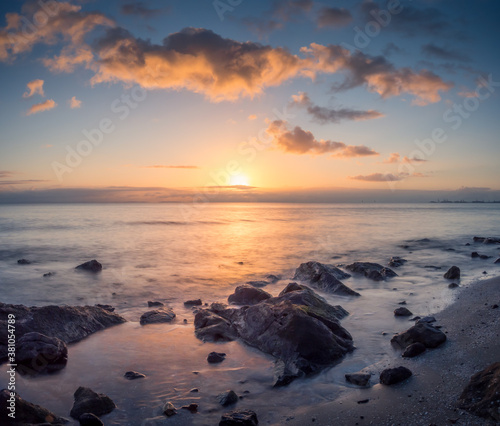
{"x":429,"y":397}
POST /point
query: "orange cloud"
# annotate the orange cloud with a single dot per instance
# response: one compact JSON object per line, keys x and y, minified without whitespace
{"x":43,"y":106}
{"x":393,"y":158}
{"x":386,"y":177}
{"x":74,"y":103}
{"x":252,"y":117}
{"x":34,"y":87}
{"x":413,"y":160}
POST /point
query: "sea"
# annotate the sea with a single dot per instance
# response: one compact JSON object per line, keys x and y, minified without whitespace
{"x":173,"y":253}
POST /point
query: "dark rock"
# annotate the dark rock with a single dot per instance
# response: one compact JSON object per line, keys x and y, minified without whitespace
{"x":467,"y":244}
{"x":49,"y":274}
{"x":193,"y":407}
{"x":284,"y":373}
{"x":247,"y":295}
{"x":152,"y":304}
{"x":433,"y":267}
{"x":484,"y":272}
{"x":195,"y":302}
{"x":89,"y":419}
{"x":391,"y":376}
{"x":413,"y":350}
{"x":258,"y":284}
{"x":227,"y":398}
{"x":402,"y":303}
{"x":364,"y":401}
{"x":169,"y":409}
{"x":24,"y":262}
{"x":157,"y":316}
{"x":194,"y":390}
{"x":498,"y":260}
{"x":90,"y":266}
{"x":358,"y":379}
{"x":484,"y":257}
{"x":216,"y":357}
{"x":428,"y":320}
{"x":132,"y":375}
{"x":415,"y":318}
{"x":481,"y":396}
{"x":423,"y":333}
{"x":474,"y":254}
{"x":273,"y":278}
{"x":37,"y":353}
{"x":26,"y":413}
{"x":87,"y":401}
{"x":495,"y":306}
{"x":373,"y":271}
{"x":487,"y":240}
{"x":402,"y":312}
{"x":453,"y":285}
{"x":68,"y":323}
{"x":453,"y":273}
{"x":239,"y":418}
{"x":396,"y":262}
{"x":324,"y":277}
{"x":108,"y":308}
{"x":210,"y":327}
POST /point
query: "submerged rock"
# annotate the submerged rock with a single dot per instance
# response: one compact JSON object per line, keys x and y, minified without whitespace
{"x":227,"y":398}
{"x":481,"y":396}
{"x":487,"y":240}
{"x":391,"y":376}
{"x":453,"y":285}
{"x":152,"y":304}
{"x":498,"y":260}
{"x":324,"y":277}
{"x":157,"y":316}
{"x":239,"y":418}
{"x":258,"y":284}
{"x":396,"y":262}
{"x":24,"y":262}
{"x":26,"y":413}
{"x":358,"y":379}
{"x":423,"y":333}
{"x":247,"y":295}
{"x":195,"y":302}
{"x":373,"y":271}
{"x":216,"y":357}
{"x":474,"y":254}
{"x":193,"y":407}
{"x":273,"y":278}
{"x":413,"y":350}
{"x":132,"y":375}
{"x":37,"y":353}
{"x":402,"y":312}
{"x":428,"y":320}
{"x":89,"y":419}
{"x":453,"y":273}
{"x":88,"y":401}
{"x":90,"y":266}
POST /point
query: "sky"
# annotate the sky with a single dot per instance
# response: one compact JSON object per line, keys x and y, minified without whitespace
{"x":239,"y":100}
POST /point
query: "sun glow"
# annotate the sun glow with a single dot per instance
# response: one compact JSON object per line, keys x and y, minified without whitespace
{"x":240,"y":180}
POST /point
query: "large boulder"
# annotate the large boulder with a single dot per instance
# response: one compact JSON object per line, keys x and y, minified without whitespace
{"x":481,"y":396}
{"x":88,"y":401}
{"x":247,"y":295}
{"x":68,"y":323}
{"x":210,"y":327}
{"x":157,"y":316}
{"x":324,"y":277}
{"x":90,"y":266}
{"x":373,"y":271}
{"x":424,"y":333}
{"x":37,"y":353}
{"x":391,"y":376}
{"x":453,"y":273}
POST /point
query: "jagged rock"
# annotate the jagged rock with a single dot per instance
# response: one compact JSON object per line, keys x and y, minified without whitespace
{"x":108,"y":308}
{"x":227,"y":398}
{"x":358,"y":379}
{"x":397,"y":261}
{"x":373,"y":271}
{"x":195,"y":302}
{"x":157,"y":316}
{"x":413,"y":350}
{"x":211,"y":327}
{"x":324,"y":277}
{"x":89,"y":419}
{"x":247,"y":295}
{"x":169,"y":409}
{"x":37,"y":353}
{"x":132,"y":375}
{"x":239,"y":418}
{"x":152,"y":304}
{"x":26,"y":413}
{"x":391,"y":376}
{"x":498,"y":260}
{"x":481,"y":396}
{"x":88,"y":401}
{"x":402,"y":312}
{"x":24,"y":262}
{"x":216,"y":357}
{"x":423,"y":333}
{"x":453,"y":273}
{"x":90,"y":266}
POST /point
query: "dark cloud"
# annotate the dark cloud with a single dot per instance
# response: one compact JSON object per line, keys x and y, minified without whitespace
{"x":390,"y":49}
{"x":333,"y":17}
{"x":431,"y":50}
{"x":139,"y":8}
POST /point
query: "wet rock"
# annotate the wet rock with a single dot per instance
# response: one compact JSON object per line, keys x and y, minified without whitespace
{"x":49,"y":274}
{"x":216,"y":357}
{"x":89,"y":419}
{"x":108,"y":308}
{"x":498,"y":260}
{"x":169,"y":409}
{"x":24,"y":262}
{"x":273,"y":278}
{"x":284,"y":373}
{"x":413,"y":350}
{"x":474,"y":254}
{"x":26,"y":413}
{"x":227,"y":398}
{"x":132,"y":375}
{"x":397,"y":261}
{"x":152,"y":304}
{"x":194,"y":302}
{"x":481,"y":396}
{"x":453,"y":285}
{"x":453,"y":273}
{"x":247,"y":295}
{"x":88,"y":401}
{"x":324,"y":277}
{"x":391,"y":376}
{"x":194,"y":390}
{"x":358,"y":379}
{"x":193,"y":407}
{"x":423,"y":333}
{"x":432,"y":267}
{"x":258,"y":284}
{"x":157,"y":316}
{"x":239,"y":418}
{"x":487,"y":240}
{"x":484,"y":257}
{"x":402,"y":302}
{"x":37,"y":353}
{"x":402,"y":312}
{"x":90,"y":266}
{"x":428,"y":320}
{"x":373,"y":271}
{"x":210,"y":327}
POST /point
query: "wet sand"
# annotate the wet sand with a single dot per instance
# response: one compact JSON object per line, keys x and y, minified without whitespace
{"x":429,"y":397}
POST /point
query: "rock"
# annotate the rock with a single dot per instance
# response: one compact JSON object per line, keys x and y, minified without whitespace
{"x":413,"y":350}
{"x":90,"y":266}
{"x":132,"y":375}
{"x":216,"y":357}
{"x":423,"y":333}
{"x":157,"y":316}
{"x":402,"y":312}
{"x":24,"y":262}
{"x":358,"y":379}
{"x":484,"y":257}
{"x":49,"y":274}
{"x":247,"y":295}
{"x":211,"y":327}
{"x":391,"y":376}
{"x":428,"y":320}
{"x":373,"y":271}
{"x":453,"y":273}
{"x":258,"y":284}
{"x":396,"y":262}
{"x":402,"y":302}
{"x":433,"y":267}
{"x":481,"y":396}
{"x":227,"y":398}
{"x":284,"y":373}
{"x":26,"y":413}
{"x":169,"y":409}
{"x":194,"y":390}
{"x":68,"y":323}
{"x":89,"y":419}
{"x":108,"y":308}
{"x":195,"y":302}
{"x":154,"y":304}
{"x":324,"y":277}
{"x":37,"y":353}
{"x":474,"y":254}
{"x":273,"y":278}
{"x":487,"y":240}
{"x":193,"y":408}
{"x":87,"y":401}
{"x":239,"y":418}
{"x":453,"y":285}
{"x":498,"y":260}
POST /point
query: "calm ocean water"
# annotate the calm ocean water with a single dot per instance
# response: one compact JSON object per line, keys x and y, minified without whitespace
{"x":157,"y":252}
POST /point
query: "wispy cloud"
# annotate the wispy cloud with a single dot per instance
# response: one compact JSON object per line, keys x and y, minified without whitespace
{"x":160,"y":166}
{"x":74,"y":103}
{"x":139,"y":8}
{"x":393,"y":158}
{"x":386,"y":177}
{"x":413,"y":160}
{"x":5,"y":174}
{"x":42,"y":106}
{"x":252,"y":117}
{"x":431,"y":50}
{"x":333,"y":17}
{"x":34,"y":87}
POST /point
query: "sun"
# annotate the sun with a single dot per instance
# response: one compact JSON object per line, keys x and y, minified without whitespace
{"x":240,"y":180}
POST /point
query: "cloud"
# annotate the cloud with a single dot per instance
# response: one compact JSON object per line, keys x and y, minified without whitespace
{"x":473,"y":189}
{"x":333,"y":17}
{"x":42,"y":106}
{"x":5,"y":174}
{"x":413,"y":160}
{"x":390,"y":49}
{"x":139,"y":8}
{"x":252,"y":117}
{"x":433,"y":51}
{"x":468,"y":93}
{"x":34,"y":87}
{"x":324,"y":115}
{"x":21,"y":182}
{"x":393,"y":158}
{"x":74,"y":103}
{"x":299,"y":141}
{"x":386,"y":177}
{"x":169,"y":167}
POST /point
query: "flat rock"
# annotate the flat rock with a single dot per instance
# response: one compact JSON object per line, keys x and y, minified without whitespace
{"x":413,"y":350}
{"x":391,"y":376}
{"x":239,"y":418}
{"x":88,"y":401}
{"x":247,"y":295}
{"x":194,"y":302}
{"x":324,"y":277}
{"x":358,"y":379}
{"x":423,"y":333}
{"x":373,"y":271}
{"x":481,"y":396}
{"x":402,"y":312}
{"x":24,"y":262}
{"x":428,"y":320}
{"x":227,"y":398}
{"x":157,"y":316}
{"x":108,"y":308}
{"x":90,"y":266}
{"x":153,"y":304}
{"x":132,"y":375}
{"x":216,"y":357}
{"x":37,"y":353}
{"x":89,"y":419}
{"x":453,"y":273}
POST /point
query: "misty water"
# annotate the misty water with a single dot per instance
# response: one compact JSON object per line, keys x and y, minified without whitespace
{"x":172,"y":253}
